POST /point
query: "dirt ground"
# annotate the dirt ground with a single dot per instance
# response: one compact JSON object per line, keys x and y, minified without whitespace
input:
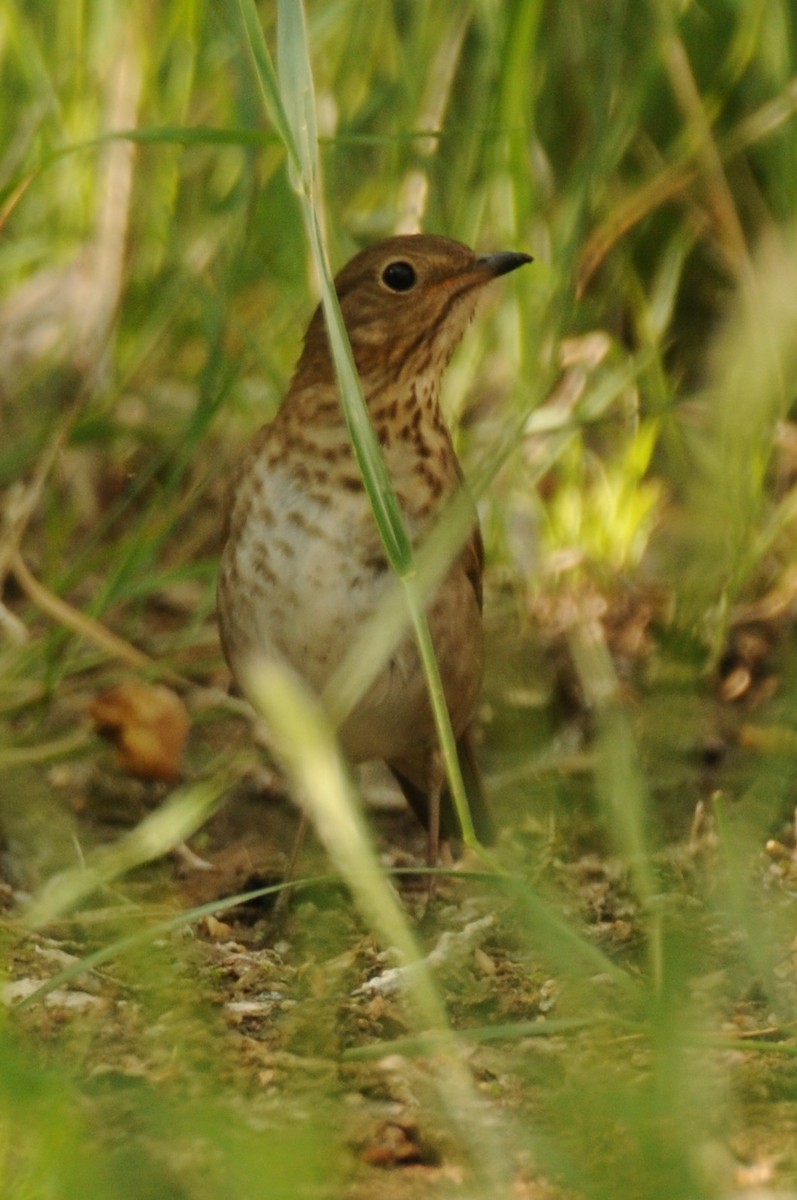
{"x":299,"y":1011}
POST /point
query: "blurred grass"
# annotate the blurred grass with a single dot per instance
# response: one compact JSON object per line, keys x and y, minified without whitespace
{"x":623,"y":411}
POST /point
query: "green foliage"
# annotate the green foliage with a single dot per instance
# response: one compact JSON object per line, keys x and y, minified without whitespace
{"x":624,"y":415}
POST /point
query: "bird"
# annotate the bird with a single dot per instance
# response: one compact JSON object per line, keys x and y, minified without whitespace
{"x":303,"y":565}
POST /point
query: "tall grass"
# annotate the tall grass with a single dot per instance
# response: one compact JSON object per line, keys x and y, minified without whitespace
{"x":619,"y":411}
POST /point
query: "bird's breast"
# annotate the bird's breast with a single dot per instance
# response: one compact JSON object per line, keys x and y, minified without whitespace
{"x":304,"y":560}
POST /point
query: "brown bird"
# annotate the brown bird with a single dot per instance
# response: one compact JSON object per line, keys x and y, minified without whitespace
{"x":304,"y":566}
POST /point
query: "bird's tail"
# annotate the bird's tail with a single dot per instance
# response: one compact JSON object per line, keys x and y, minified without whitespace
{"x":481,"y":815}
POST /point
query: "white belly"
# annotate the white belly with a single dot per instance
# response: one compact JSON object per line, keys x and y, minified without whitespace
{"x":306,"y":581}
{"x":313,"y":576}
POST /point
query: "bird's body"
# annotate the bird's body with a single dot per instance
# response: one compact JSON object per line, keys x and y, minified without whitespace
{"x":304,"y":567}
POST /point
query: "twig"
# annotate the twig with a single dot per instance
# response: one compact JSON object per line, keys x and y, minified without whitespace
{"x":24,"y":501}
{"x":87,"y":627}
{"x":117,"y":647}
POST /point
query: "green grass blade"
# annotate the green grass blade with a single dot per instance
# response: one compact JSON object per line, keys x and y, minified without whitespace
{"x":296,"y":85}
{"x":267,"y":78}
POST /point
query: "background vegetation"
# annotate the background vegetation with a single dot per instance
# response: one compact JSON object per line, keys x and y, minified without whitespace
{"x":624,"y":988}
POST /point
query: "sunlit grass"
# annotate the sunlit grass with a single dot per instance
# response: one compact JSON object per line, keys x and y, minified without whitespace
{"x":622,"y":415}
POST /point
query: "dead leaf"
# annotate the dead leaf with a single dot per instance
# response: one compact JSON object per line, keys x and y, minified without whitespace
{"x":148,"y":723}
{"x":394,"y":1144}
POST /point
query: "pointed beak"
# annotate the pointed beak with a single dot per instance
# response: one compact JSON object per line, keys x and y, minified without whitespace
{"x":502,"y":263}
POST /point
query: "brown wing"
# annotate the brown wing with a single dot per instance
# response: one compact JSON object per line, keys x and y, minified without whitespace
{"x":473,"y":563}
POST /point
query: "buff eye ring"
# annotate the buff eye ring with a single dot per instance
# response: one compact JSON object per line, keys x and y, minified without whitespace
{"x":399,"y":276}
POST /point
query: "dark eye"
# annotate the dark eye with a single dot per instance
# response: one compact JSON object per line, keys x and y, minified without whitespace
{"x":399,"y":276}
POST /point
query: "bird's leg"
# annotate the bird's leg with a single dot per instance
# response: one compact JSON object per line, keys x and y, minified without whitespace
{"x":283,"y":899}
{"x":435,"y":788}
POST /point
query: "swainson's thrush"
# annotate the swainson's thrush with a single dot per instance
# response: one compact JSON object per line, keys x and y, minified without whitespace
{"x":304,"y":566}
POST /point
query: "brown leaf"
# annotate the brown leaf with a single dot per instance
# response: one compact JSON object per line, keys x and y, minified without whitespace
{"x":394,"y":1144}
{"x":148,"y":723}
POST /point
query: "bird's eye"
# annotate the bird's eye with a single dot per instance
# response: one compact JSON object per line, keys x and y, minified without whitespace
{"x":399,"y":276}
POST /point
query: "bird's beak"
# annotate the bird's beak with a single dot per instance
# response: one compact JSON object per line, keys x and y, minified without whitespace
{"x":502,"y":263}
